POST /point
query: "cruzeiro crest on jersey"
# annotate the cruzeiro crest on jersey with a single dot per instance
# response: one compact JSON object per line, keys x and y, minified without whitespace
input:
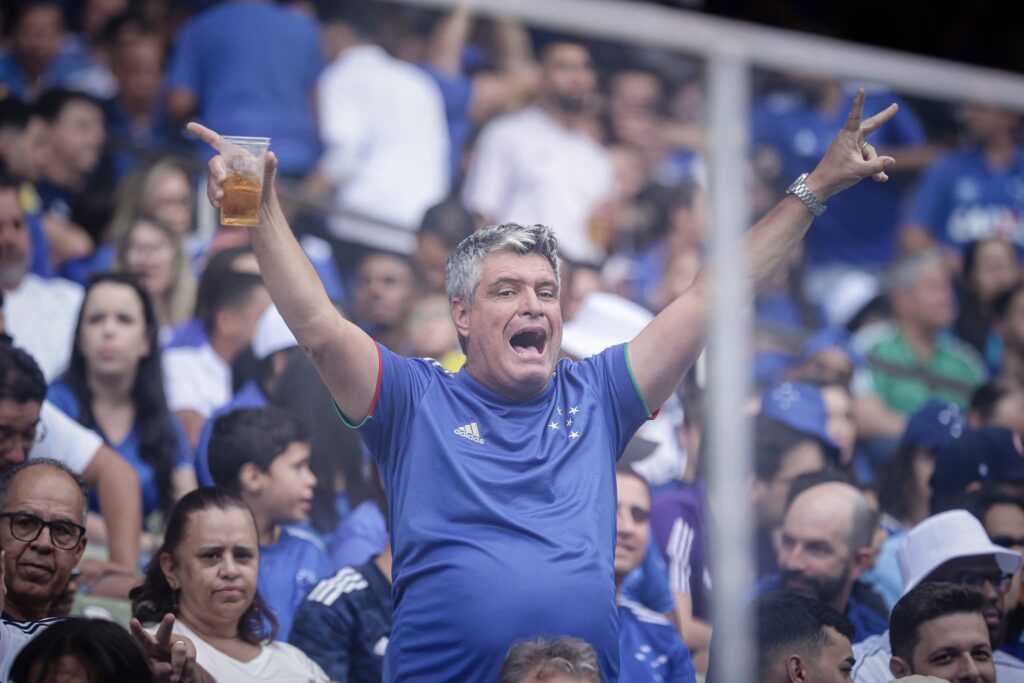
{"x":566,"y":422}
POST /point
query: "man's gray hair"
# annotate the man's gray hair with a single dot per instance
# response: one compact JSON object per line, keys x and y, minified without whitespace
{"x":543,"y":658}
{"x":10,"y":473}
{"x":903,"y":273}
{"x":462,"y":270}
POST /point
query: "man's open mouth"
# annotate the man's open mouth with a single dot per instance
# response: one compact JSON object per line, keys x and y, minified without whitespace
{"x":529,"y":342}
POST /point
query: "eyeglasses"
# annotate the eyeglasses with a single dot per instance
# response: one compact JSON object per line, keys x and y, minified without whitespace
{"x":1008,"y":541}
{"x":32,"y":435}
{"x":998,"y":579}
{"x":26,"y":527}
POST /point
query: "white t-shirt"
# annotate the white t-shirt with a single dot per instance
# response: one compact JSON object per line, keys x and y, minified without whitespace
{"x":386,"y":145}
{"x":196,"y":378}
{"x":14,"y":635}
{"x":873,"y":655}
{"x":40,"y":316}
{"x":528,"y":168}
{"x":65,"y":440}
{"x":277,"y":661}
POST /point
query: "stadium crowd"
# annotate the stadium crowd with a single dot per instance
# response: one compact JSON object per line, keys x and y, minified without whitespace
{"x":173,"y":435}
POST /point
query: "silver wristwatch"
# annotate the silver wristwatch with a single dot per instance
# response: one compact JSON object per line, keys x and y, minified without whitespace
{"x":801,"y":192}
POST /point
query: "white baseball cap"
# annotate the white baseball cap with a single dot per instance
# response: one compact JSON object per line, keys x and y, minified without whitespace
{"x":944,"y":537}
{"x":272,"y":334}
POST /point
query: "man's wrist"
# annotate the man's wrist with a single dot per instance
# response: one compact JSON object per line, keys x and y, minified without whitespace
{"x":799,"y":189}
{"x":815,"y":185}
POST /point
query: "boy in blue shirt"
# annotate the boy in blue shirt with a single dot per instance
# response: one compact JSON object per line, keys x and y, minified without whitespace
{"x":262,"y":454}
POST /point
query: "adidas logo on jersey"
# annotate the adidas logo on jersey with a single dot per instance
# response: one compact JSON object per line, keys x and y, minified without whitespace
{"x":470,"y":431}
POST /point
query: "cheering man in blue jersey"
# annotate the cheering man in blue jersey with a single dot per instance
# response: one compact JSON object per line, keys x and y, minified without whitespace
{"x":501,"y":478}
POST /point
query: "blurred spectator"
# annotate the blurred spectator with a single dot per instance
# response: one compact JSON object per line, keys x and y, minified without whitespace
{"x":541,"y":165}
{"x":82,"y":650}
{"x":206,"y":575}
{"x":198,"y":379}
{"x":114,"y":386}
{"x":444,"y":225}
{"x":1008,"y":322}
{"x":991,"y":266}
{"x":39,"y":312}
{"x":250,"y":68}
{"x":239,"y":259}
{"x":949,"y":547}
{"x":137,"y":119}
{"x":913,"y":357}
{"x":385,"y":290}
{"x":827,"y":357}
{"x":558,"y":660}
{"x":971,"y":194}
{"x":783,"y":450}
{"x":37,"y":566}
{"x":648,"y":643}
{"x":41,"y":55}
{"x":23,"y":152}
{"x":273,"y":349}
{"x":473,"y":98}
{"x":382,"y":121}
{"x":1003,"y":518}
{"x":997,"y":403}
{"x":431,"y":332}
{"x":262,"y":454}
{"x":827,"y":536}
{"x":75,"y":136}
{"x":990,"y":455}
{"x":802,"y":639}
{"x":345,"y":621}
{"x":839,"y":419}
{"x":154,"y":253}
{"x":938,"y":629}
{"x":858,"y":232}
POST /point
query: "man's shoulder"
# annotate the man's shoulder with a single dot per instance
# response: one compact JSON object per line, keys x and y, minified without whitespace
{"x":343,"y":585}
{"x":299,"y":539}
{"x":643,"y":614}
{"x":961,"y":353}
{"x":879,"y":338}
{"x":1007,"y":662}
{"x":55,"y":288}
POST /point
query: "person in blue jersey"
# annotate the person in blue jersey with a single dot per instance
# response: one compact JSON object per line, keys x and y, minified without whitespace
{"x":501,"y":478}
{"x":262,"y":454}
{"x":650,"y":648}
{"x":344,"y":624}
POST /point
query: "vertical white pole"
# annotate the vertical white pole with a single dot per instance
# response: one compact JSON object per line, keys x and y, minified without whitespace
{"x":728,"y":358}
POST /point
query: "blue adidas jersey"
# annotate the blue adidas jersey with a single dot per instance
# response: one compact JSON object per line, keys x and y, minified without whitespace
{"x":15,"y":635}
{"x":288,"y":571}
{"x":503,"y":513}
{"x":650,"y":649}
{"x":344,"y":624}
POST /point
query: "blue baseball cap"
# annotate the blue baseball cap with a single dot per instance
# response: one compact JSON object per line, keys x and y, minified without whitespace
{"x":986,"y":454}
{"x":935,"y":424}
{"x":830,"y":338}
{"x":800,"y":407}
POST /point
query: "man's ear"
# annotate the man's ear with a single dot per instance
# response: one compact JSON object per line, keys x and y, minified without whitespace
{"x":863,"y":560}
{"x":796,"y":672}
{"x":168,"y":568}
{"x":899,"y":667}
{"x":460,"y":316}
{"x":251,"y":479}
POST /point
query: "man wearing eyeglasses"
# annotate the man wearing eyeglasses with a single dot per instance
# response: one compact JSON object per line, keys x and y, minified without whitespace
{"x":42,"y":512}
{"x":950,"y":547}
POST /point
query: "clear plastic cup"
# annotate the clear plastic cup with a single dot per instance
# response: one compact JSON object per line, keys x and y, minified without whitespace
{"x":243,"y":188}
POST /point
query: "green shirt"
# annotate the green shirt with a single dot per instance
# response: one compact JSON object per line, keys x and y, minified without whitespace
{"x":905,"y":382}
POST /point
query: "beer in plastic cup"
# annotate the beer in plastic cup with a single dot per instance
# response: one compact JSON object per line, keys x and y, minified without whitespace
{"x":243,"y":188}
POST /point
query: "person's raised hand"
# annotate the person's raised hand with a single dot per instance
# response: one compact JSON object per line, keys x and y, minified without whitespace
{"x":219,"y":171}
{"x":851,"y":158}
{"x":172,"y":657}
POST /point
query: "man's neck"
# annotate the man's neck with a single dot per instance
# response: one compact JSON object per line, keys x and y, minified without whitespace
{"x":920,"y":340}
{"x":999,"y":151}
{"x":1012,"y":363}
{"x":842,"y":601}
{"x":225,"y":349}
{"x":25,"y":611}
{"x":567,"y":119}
{"x":383,"y":562}
{"x":62,"y":176}
{"x":269,"y":531}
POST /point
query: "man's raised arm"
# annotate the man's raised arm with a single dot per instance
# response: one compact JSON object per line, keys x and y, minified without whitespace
{"x":345,"y":355}
{"x":662,"y":353}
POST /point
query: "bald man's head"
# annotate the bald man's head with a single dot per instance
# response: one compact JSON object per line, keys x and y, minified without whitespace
{"x":826,"y":542}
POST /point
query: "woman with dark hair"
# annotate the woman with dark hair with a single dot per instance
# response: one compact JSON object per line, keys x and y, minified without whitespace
{"x":205,"y":574}
{"x":114,"y":386}
{"x":991,"y":266}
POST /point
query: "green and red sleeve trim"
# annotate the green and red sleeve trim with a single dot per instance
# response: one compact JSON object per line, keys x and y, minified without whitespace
{"x":376,"y":394}
{"x":636,"y":386}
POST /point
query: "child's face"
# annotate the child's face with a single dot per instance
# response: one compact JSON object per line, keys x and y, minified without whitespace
{"x":288,"y":492}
